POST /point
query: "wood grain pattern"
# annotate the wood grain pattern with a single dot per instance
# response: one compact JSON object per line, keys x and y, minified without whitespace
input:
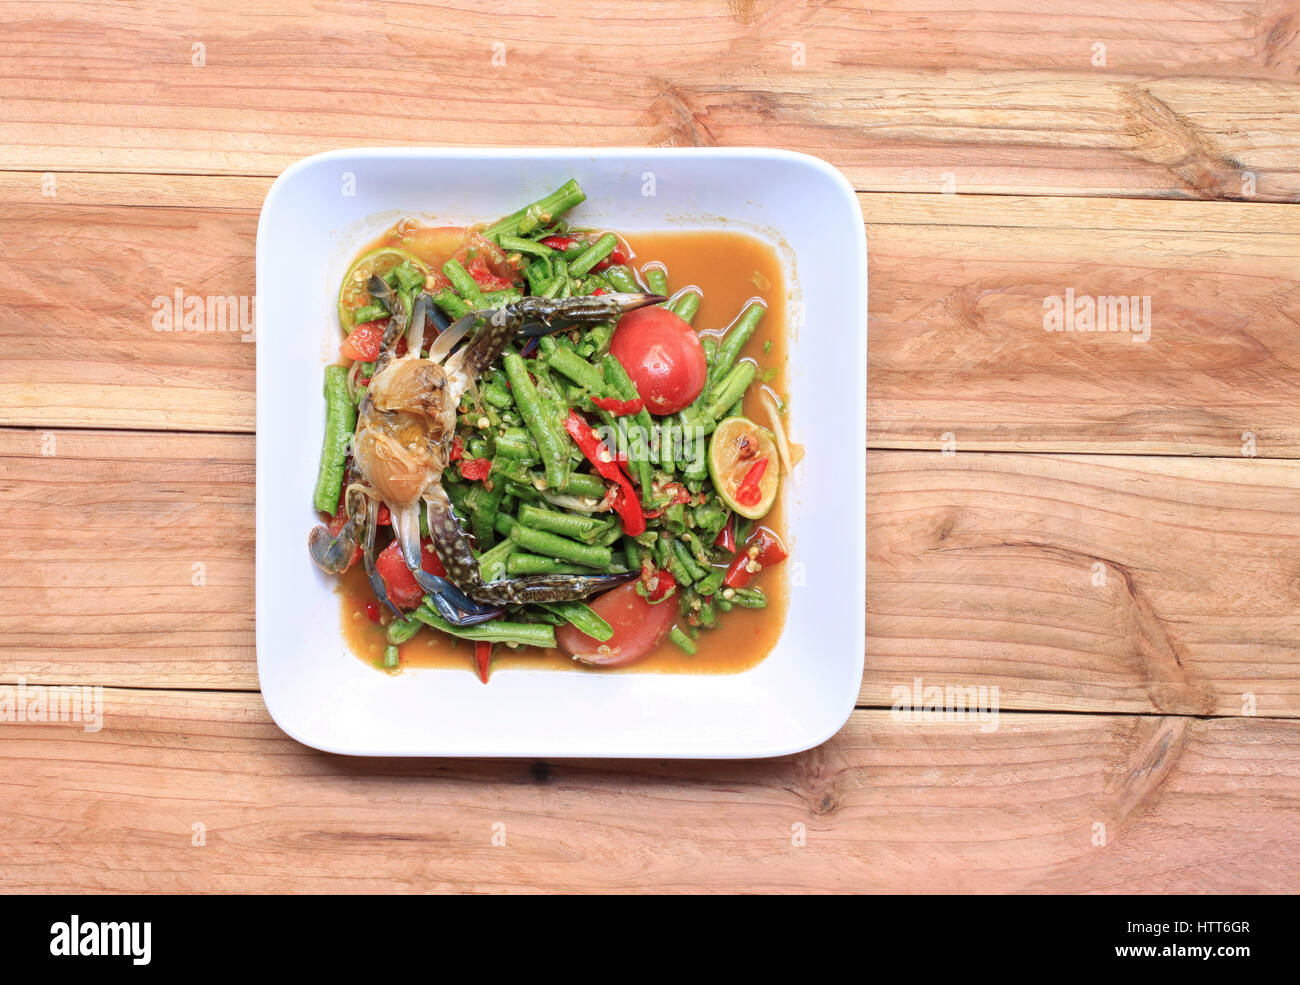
{"x":1086,"y":582}
{"x":957,"y":342}
{"x":885,"y":805}
{"x":1006,"y":97}
{"x":132,"y":559}
{"x":981,"y":572}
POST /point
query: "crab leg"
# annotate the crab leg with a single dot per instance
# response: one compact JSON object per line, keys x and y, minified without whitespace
{"x":452,"y":604}
{"x":452,"y":545}
{"x":539,"y":316}
{"x":368,"y":559}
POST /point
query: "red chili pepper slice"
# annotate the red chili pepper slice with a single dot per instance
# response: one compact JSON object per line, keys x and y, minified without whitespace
{"x":748,"y":493}
{"x":558,"y":242}
{"x":764,"y":548}
{"x":770,"y":548}
{"x":726,"y":538}
{"x":664,"y":583}
{"x":598,"y":291}
{"x":457,"y":449}
{"x":738,"y":574}
{"x":372,"y":610}
{"x":483,"y":659}
{"x":619,"y":408}
{"x":625,"y":503}
{"x":475,"y":469}
{"x":616,"y":256}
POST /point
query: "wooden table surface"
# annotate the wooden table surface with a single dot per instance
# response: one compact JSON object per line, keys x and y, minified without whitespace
{"x":1107,"y":530}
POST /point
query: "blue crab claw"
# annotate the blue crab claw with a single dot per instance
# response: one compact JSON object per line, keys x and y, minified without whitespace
{"x":381,"y":591}
{"x":546,"y":317}
{"x":453,"y":604}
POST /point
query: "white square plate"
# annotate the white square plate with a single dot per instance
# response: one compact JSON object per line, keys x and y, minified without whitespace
{"x":316,"y":216}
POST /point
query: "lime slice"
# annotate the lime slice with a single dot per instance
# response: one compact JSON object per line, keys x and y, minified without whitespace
{"x":736,"y":447}
{"x":353,"y":293}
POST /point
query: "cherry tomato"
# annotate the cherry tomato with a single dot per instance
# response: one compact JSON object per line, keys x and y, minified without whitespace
{"x":663,"y":356}
{"x":364,"y":342}
{"x":639,"y":627}
{"x":402,"y":587}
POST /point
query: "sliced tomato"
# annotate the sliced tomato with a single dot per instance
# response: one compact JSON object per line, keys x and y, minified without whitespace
{"x":680,"y":493}
{"x":402,"y":587}
{"x":486,"y":264}
{"x":663,"y":356}
{"x":639,"y":626}
{"x":475,"y":469}
{"x":364,"y":342}
{"x":488,"y":281}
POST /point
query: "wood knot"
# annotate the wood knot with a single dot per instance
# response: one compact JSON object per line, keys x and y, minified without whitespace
{"x":677,"y":123}
{"x":816,"y":783}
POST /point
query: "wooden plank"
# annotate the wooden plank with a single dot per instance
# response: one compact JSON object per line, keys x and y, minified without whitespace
{"x":86,"y":287}
{"x":957,"y":291}
{"x":980,"y":573}
{"x":130,"y":560}
{"x":1041,"y":803}
{"x":1085,"y":582}
{"x":1192,"y":102}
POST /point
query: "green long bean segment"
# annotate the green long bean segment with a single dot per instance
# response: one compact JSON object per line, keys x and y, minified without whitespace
{"x":736,"y":337}
{"x":562,"y":548}
{"x":687,"y":305}
{"x":340,"y":421}
{"x":551,"y":440}
{"x":584,"y":618}
{"x":542,"y":212}
{"x":495,"y":631}
{"x":593,"y":254}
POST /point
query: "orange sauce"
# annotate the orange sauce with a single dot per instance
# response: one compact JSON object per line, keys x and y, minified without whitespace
{"x":730,"y":268}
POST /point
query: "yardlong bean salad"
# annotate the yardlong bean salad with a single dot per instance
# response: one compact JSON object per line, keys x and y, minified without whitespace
{"x":528,"y":443}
